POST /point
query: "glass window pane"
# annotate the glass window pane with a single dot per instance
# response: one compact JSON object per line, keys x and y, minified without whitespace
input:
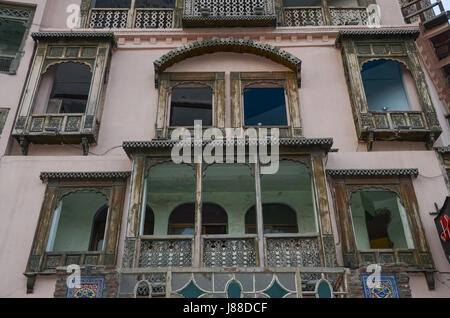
{"x":286,"y":192}
{"x":77,"y":222}
{"x":378,"y":222}
{"x":11,"y":36}
{"x":189,"y":104}
{"x":111,"y":3}
{"x":171,"y":186}
{"x":232,"y":187}
{"x":265,"y":106}
{"x":383,"y":85}
{"x":155,"y":3}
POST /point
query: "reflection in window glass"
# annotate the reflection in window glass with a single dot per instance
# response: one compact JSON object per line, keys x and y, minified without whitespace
{"x":167,"y":187}
{"x":379,"y":220}
{"x":155,"y":3}
{"x":189,"y":104}
{"x":383,"y":85}
{"x":111,"y":3}
{"x":292,"y":187}
{"x":232,"y":187}
{"x":78,"y":223}
{"x":71,"y":87}
{"x":265,"y":106}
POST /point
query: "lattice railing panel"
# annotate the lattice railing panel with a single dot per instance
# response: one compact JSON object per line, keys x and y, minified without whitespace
{"x":348,"y":16}
{"x":293,"y":252}
{"x":153,"y":19}
{"x":108,"y":18}
{"x":428,"y":14}
{"x":229,"y":252}
{"x":303,"y":17}
{"x":13,"y":12}
{"x":226,"y":8}
{"x":165,"y":253}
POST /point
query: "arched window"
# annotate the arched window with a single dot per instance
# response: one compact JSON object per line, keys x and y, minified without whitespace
{"x":384,"y":85}
{"x":379,"y":220}
{"x":64,"y":88}
{"x":277,"y":218}
{"x":79,"y":222}
{"x":98,"y":229}
{"x":182,"y":219}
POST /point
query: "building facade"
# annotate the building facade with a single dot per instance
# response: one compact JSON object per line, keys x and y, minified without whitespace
{"x":92,"y":93}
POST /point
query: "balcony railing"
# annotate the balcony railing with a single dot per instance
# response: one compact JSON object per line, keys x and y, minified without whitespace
{"x":398,"y":120}
{"x":225,"y":12}
{"x":165,"y":251}
{"x":349,"y":16}
{"x":316,"y":16}
{"x":419,"y":10}
{"x":229,"y":251}
{"x":141,"y":18}
{"x":292,"y":250}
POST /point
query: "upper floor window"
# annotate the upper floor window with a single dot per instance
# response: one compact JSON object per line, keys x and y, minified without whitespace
{"x":380,"y":220}
{"x":278,"y":218}
{"x":384,"y":85}
{"x":64,"y":88}
{"x":265,"y":105}
{"x":64,"y":92}
{"x":79,"y":221}
{"x":15,"y":22}
{"x":189,"y":103}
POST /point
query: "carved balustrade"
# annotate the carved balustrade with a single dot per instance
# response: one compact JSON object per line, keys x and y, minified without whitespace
{"x":168,"y":251}
{"x":229,"y":251}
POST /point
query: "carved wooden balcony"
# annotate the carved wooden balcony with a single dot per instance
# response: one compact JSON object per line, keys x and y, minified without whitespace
{"x":411,"y":123}
{"x":165,"y":251}
{"x":229,"y":251}
{"x":206,"y":13}
{"x":141,"y":18}
{"x":57,"y":129}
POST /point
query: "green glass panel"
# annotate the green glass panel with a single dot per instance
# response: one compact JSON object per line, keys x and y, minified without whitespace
{"x":234,"y":290}
{"x":276,"y":291}
{"x":11,"y":35}
{"x":191,"y":291}
{"x":324,"y":290}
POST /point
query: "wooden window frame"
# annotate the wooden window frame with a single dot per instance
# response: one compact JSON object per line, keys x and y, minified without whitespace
{"x":170,"y":80}
{"x":421,"y":125}
{"x":74,"y":128}
{"x":286,"y":80}
{"x":111,"y":185}
{"x":344,"y":184}
{"x":27,"y":22}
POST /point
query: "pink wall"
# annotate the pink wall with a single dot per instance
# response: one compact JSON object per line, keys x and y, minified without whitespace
{"x":129,"y":114}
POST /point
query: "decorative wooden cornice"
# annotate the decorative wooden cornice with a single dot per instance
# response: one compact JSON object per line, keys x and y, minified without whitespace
{"x":373,"y":172}
{"x":135,"y":146}
{"x":45,"y":176}
{"x":402,"y":34}
{"x":228,"y":45}
{"x":56,"y":36}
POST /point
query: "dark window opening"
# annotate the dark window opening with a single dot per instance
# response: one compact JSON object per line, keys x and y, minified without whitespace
{"x":277,"y":218}
{"x":189,"y":104}
{"x":98,"y":229}
{"x":11,"y":37}
{"x":111,"y":3}
{"x":265,"y":106}
{"x":71,"y":88}
{"x":155,"y":3}
{"x":377,"y":228}
{"x":302,"y":3}
{"x":384,"y":86}
{"x":182,"y":219}
{"x":149,"y":221}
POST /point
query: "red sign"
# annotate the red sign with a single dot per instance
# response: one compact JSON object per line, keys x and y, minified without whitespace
{"x":445,"y":223}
